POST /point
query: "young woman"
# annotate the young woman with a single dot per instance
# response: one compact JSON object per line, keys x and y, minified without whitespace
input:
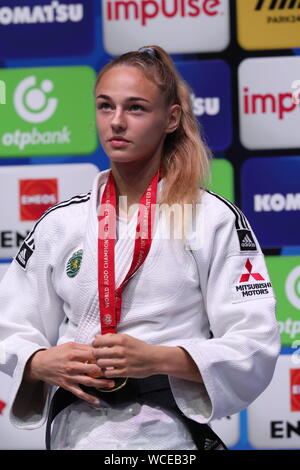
{"x":186,"y":331}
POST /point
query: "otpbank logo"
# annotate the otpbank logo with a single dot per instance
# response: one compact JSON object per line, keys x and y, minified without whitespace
{"x":210,"y":82}
{"x":285,"y":274}
{"x":160,"y":21}
{"x":269,"y":113}
{"x":268,"y":24}
{"x":66,"y":28}
{"x":272,"y":200}
{"x":48,"y":111}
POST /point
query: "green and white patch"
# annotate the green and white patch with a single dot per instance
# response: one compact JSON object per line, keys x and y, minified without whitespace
{"x":74,"y":263}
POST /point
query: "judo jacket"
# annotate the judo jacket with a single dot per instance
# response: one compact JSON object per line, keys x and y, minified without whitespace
{"x":208,"y":292}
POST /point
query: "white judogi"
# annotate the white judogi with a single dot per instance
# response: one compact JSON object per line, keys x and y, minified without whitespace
{"x":176,"y":298}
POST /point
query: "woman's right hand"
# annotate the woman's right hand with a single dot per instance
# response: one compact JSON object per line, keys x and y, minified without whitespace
{"x":67,"y":366}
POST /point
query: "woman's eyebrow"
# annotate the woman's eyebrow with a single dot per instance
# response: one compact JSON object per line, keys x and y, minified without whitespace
{"x":131,"y":98}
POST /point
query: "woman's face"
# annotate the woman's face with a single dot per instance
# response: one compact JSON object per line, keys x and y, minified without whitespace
{"x":131,"y":107}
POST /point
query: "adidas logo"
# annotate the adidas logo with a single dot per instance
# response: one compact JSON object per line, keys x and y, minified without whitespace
{"x":22,"y":255}
{"x":247,"y":242}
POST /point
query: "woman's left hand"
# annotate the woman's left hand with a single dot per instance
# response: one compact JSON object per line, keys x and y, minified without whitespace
{"x":121,"y":355}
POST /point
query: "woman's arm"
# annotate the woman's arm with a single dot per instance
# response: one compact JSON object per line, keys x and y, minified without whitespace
{"x":126,"y":356}
{"x":238,"y":361}
{"x":66,"y":366}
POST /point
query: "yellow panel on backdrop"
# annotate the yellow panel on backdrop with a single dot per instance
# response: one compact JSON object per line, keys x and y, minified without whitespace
{"x":268,"y":24}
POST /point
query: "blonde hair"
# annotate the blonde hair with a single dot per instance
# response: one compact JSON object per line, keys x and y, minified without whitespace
{"x":185,"y":155}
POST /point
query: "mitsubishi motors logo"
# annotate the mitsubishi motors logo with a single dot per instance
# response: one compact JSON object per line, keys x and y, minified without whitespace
{"x":248,"y":285}
{"x":246,"y":277}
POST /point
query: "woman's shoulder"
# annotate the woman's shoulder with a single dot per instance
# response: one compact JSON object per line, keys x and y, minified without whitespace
{"x":218,"y":215}
{"x":55,"y":228}
{"x":73,"y":209}
{"x":59,"y":217}
{"x":217,"y":206}
{"x":67,"y":208}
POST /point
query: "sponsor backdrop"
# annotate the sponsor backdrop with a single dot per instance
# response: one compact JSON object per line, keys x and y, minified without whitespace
{"x":242,"y":60}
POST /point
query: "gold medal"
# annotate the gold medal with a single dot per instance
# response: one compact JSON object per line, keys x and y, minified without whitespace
{"x":120,"y":382}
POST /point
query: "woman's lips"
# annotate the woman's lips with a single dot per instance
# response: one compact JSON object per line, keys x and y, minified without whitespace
{"x":119,"y":143}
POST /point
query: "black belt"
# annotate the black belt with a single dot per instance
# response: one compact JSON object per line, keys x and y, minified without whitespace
{"x":154,"y":390}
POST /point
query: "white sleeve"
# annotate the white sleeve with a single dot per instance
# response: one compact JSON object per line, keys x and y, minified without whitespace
{"x":30,"y":315}
{"x":238,"y":362}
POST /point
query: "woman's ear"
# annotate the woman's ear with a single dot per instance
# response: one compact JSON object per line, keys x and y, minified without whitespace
{"x":174,"y":115}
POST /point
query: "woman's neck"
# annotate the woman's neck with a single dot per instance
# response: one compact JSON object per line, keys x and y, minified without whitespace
{"x":132,"y":179}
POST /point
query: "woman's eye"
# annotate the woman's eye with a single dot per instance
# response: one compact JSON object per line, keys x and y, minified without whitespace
{"x":136,"y":107}
{"x":107,"y":106}
{"x":103,"y":106}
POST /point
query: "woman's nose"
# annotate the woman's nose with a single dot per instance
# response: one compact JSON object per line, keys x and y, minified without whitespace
{"x":118,"y":120}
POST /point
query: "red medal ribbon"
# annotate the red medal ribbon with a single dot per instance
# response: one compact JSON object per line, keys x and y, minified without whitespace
{"x":110,"y":298}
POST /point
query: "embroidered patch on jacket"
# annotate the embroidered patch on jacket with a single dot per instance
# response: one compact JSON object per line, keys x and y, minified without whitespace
{"x":74,"y":263}
{"x":249,"y":278}
{"x":245,"y":235}
{"x":23,"y":255}
{"x":246,"y":240}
